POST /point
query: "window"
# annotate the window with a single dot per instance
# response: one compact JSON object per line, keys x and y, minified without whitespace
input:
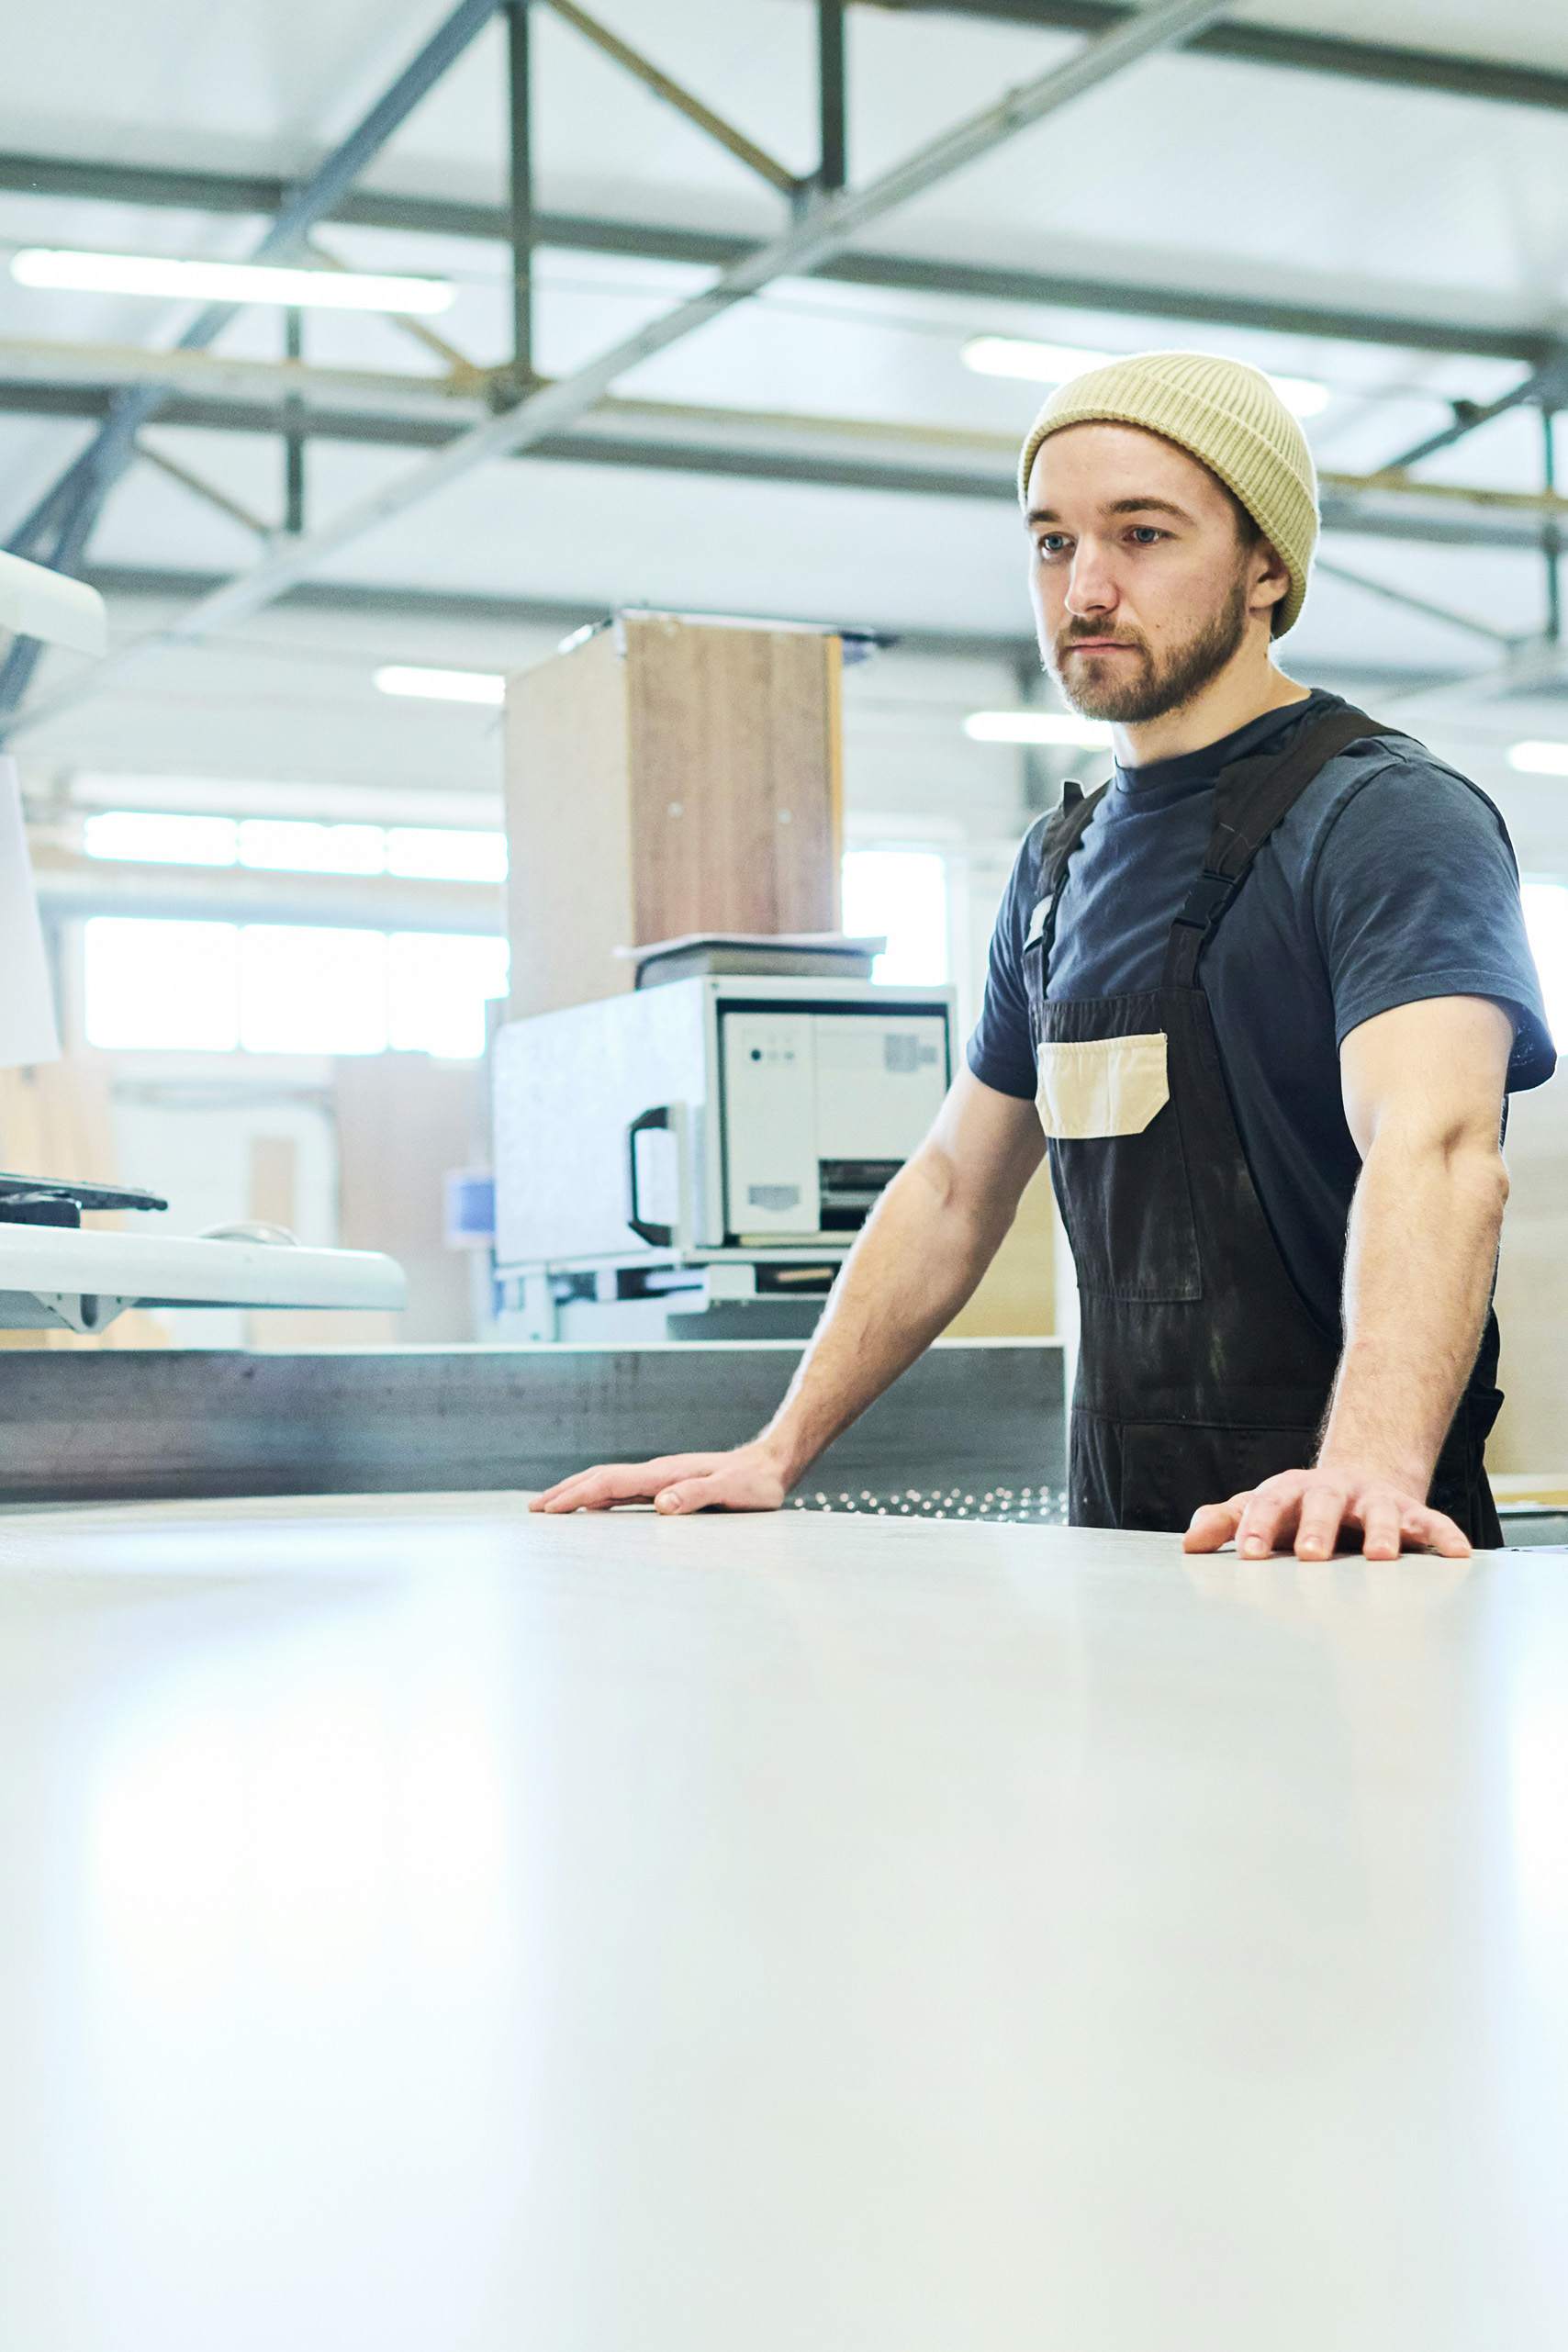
{"x":298,"y":845}
{"x":422,"y":854}
{"x":287,"y":988}
{"x":163,"y":985}
{"x":305,"y":989}
{"x":902,"y":892}
{"x":1546,"y":920}
{"x":295,"y":846}
{"x":436,"y":990}
{"x":163,"y":840}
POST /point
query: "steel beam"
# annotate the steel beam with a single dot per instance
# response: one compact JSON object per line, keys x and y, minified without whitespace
{"x":1499,"y":80}
{"x":833,"y":171}
{"x":1420,"y":604}
{"x":71,"y":507}
{"x":907,"y":273}
{"x":294,"y":438}
{"x":828,"y":228}
{"x":519,"y":181}
{"x":1439,"y":518}
{"x":1441,"y":514}
{"x":1551,"y":530}
{"x":445,"y":605}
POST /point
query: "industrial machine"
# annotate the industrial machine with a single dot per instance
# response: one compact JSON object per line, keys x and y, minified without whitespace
{"x":54,"y":1276}
{"x":693,"y":1161}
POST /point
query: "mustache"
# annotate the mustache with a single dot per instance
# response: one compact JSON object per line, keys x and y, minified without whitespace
{"x":1078,"y":629}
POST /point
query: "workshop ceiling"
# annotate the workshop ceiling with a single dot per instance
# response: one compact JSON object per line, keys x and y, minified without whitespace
{"x":1311,"y":211}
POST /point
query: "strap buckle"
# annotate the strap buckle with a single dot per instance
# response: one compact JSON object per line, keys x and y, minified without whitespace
{"x":1207,"y":900}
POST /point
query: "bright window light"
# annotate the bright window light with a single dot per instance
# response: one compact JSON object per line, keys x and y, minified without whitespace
{"x":1034,"y":727}
{"x":294,"y":845}
{"x":421,"y":853}
{"x":437,"y":985}
{"x":273,"y":988}
{"x":1058,"y":363}
{"x":444,"y":684}
{"x":1546,"y":920}
{"x":305,"y":989}
{"x":162,"y":986}
{"x":1539,"y":759}
{"x":162,"y":840}
{"x":150,"y":273}
{"x":904,"y":893}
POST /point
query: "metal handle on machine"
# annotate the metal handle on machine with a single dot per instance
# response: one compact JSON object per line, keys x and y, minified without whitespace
{"x":662,"y":1236}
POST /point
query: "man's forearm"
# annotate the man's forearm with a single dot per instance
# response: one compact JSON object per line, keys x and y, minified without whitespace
{"x":919,"y":1258}
{"x":1419,"y":1263}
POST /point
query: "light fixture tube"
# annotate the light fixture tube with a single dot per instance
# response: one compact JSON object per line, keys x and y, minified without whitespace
{"x":1063,"y":727}
{"x":293,"y":289}
{"x":444,"y":684}
{"x":1058,"y":363}
{"x":1538,"y":759}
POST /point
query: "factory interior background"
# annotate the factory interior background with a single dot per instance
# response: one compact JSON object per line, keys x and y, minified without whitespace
{"x":272,"y":848}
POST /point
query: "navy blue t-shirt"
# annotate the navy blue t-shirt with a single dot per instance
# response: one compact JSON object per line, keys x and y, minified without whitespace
{"x":1390,"y":879}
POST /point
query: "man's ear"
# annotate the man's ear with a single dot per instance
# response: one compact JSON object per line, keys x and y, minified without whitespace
{"x":1270,"y":580}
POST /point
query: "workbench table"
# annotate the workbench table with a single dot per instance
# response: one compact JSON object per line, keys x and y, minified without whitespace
{"x":426,"y":1928}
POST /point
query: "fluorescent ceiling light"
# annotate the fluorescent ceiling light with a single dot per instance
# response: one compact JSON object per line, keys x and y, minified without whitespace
{"x":1539,"y":759}
{"x":1036,"y":362}
{"x":226,"y":282}
{"x":444,"y":684}
{"x":1034,"y":727}
{"x":1057,"y":363}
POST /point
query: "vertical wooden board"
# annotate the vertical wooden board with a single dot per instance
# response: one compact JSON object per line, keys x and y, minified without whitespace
{"x":733,"y":815}
{"x":569,"y":898}
{"x":274,"y":1180}
{"x":1531,"y":1432}
{"x":1017,"y":1294}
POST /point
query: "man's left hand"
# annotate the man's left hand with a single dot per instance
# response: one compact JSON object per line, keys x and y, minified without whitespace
{"x":1311,"y":1512}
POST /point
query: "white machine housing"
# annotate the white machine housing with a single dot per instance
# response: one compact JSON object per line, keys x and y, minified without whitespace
{"x":737,"y":1117}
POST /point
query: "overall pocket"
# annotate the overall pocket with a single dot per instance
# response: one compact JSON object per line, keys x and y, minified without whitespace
{"x":1101,"y":1086}
{"x":1116,"y":1151}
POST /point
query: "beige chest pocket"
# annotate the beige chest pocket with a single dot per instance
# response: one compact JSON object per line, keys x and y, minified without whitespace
{"x":1103,"y":1086}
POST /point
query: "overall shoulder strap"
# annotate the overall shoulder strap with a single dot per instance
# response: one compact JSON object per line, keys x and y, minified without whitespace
{"x":1061,"y":837}
{"x":1250,"y":799}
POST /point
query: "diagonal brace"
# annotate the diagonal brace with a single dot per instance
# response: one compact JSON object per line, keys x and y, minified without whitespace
{"x":746,"y":149}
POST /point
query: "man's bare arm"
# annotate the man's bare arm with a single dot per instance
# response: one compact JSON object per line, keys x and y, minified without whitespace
{"x":925,"y":1247}
{"x":1423,"y":1089}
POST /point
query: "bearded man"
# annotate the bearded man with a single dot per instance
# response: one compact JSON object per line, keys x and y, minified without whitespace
{"x":1263,"y":995}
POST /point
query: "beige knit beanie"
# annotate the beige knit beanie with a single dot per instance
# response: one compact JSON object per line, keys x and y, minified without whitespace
{"x":1227,"y":415}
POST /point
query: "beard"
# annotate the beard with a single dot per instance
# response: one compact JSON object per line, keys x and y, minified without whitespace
{"x":1128,"y":694}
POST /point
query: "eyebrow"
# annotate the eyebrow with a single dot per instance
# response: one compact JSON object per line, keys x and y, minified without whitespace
{"x":1119,"y":506}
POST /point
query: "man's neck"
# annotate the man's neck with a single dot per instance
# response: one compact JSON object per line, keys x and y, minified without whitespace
{"x":1243,"y":691}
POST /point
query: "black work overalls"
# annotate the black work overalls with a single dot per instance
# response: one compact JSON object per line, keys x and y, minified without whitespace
{"x":1202,"y":1371}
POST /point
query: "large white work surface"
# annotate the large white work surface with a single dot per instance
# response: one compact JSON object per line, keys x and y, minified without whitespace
{"x":425,"y":1928}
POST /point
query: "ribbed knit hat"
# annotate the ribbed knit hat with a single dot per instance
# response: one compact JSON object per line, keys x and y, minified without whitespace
{"x":1228,"y":417}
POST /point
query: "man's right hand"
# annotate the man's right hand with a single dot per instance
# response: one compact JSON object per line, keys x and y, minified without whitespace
{"x":750,"y":1479}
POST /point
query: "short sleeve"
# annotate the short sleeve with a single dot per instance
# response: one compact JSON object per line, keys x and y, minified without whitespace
{"x":1416,"y":894}
{"x":1002,"y":1050}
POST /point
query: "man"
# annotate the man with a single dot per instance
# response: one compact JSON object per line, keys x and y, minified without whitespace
{"x":1264,"y":995}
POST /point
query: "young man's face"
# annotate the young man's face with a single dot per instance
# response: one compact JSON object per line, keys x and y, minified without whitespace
{"x":1143,"y":590}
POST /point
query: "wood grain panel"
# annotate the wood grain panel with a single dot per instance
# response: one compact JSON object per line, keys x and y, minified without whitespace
{"x":732,"y":748}
{"x":1531,"y":1434}
{"x":569,"y":900}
